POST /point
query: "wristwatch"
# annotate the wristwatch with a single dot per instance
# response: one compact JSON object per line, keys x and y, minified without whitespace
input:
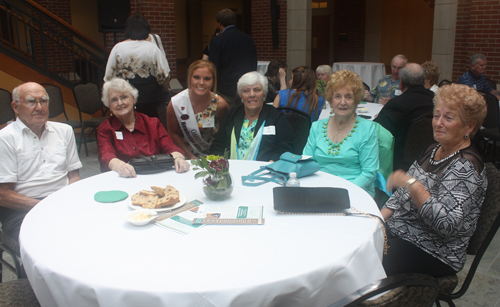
{"x":410,"y":182}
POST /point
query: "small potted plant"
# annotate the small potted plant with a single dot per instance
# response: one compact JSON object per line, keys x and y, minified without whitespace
{"x":218,"y":183}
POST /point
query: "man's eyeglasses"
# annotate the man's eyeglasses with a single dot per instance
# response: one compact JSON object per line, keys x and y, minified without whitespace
{"x":32,"y":102}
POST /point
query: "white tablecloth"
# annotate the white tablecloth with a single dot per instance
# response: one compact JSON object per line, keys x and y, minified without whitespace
{"x":369,"y":72}
{"x":262,"y":66}
{"x":372,"y":108}
{"x":78,"y":252}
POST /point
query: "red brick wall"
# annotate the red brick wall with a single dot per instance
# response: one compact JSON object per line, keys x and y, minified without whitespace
{"x":60,"y":8}
{"x":477,"y":31}
{"x":161,"y":16}
{"x":262,"y":30}
{"x":349,"y":18}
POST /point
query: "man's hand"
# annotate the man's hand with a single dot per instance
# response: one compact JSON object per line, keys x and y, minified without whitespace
{"x":384,"y":100}
{"x":368,"y":96}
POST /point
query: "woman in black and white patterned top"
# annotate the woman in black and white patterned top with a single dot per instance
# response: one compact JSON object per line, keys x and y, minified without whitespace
{"x":434,"y":211}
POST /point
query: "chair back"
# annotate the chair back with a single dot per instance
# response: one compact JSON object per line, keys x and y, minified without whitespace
{"x":6,"y":111}
{"x":87,"y":98}
{"x":489,"y":220}
{"x":301,"y":124}
{"x":366,"y":86}
{"x":415,"y":290}
{"x":385,"y":150}
{"x":491,"y":83}
{"x":492,"y":118}
{"x":419,"y":136}
{"x":56,"y":104}
{"x":162,"y":114}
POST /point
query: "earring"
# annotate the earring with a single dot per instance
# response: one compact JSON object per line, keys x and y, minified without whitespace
{"x":241,"y":100}
{"x":135,"y":107}
{"x":466,"y":136}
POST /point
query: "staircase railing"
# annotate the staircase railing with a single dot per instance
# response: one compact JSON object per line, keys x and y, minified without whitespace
{"x":32,"y":35}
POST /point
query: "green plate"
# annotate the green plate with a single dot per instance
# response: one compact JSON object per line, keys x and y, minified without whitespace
{"x":110,"y":196}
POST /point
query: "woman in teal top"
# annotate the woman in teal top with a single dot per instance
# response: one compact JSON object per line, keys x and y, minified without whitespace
{"x":345,"y":145}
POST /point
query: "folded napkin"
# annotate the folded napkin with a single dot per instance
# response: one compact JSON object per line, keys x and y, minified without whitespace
{"x":110,"y":196}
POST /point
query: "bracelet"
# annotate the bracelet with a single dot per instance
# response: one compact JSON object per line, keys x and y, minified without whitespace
{"x":410,"y":182}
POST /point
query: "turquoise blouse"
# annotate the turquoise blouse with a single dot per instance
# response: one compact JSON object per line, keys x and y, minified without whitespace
{"x":357,"y":160}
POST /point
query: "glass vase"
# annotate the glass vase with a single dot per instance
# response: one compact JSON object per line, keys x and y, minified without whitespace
{"x":218,"y":186}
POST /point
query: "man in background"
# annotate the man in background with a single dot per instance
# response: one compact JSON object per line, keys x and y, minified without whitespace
{"x":233,"y":53}
{"x":399,"y":113}
{"x":387,"y":86}
{"x":475,"y":76}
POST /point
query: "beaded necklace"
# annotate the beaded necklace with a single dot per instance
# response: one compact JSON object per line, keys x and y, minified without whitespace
{"x":334,"y":149}
{"x":433,"y":154}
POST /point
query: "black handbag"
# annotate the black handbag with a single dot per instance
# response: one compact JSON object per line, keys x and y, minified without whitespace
{"x":311,"y":200}
{"x":152,"y":164}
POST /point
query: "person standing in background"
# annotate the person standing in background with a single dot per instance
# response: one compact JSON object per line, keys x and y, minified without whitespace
{"x":233,"y":53}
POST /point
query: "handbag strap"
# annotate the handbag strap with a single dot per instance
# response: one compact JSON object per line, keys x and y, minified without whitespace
{"x":156,"y":40}
{"x":357,"y":213}
{"x":259,"y":178}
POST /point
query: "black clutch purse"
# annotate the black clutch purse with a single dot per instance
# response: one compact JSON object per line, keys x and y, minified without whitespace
{"x":152,"y":164}
{"x":310,"y":200}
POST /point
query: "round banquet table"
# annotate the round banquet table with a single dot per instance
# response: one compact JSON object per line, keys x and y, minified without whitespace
{"x":78,"y":252}
{"x":369,"y":72}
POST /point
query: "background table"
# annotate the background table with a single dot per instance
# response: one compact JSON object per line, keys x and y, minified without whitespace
{"x":372,"y":108}
{"x":78,"y":252}
{"x":262,"y":66}
{"x":368,"y":71}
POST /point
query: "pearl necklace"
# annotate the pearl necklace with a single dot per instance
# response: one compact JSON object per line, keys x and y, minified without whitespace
{"x":334,"y":149}
{"x":433,"y":154}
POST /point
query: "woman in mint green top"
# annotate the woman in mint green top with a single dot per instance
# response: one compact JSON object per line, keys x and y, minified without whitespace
{"x":345,"y":145}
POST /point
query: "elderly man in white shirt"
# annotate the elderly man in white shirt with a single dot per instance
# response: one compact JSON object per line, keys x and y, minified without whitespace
{"x":39,"y":157}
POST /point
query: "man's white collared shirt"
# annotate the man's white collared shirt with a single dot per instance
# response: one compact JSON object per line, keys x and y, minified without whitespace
{"x":39,"y":167}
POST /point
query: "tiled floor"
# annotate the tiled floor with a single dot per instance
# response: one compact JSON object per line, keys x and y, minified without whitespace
{"x":483,"y":292}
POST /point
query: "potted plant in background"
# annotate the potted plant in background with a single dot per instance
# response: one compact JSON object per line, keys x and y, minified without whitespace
{"x":218,"y":183}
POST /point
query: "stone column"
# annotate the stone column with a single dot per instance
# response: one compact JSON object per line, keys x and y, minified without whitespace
{"x":299,"y":24}
{"x":443,"y":38}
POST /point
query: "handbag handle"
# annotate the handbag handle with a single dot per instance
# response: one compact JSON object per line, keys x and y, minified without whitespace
{"x":256,"y":179}
{"x":153,"y":165}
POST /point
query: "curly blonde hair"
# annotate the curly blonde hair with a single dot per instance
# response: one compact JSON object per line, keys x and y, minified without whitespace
{"x":431,"y":71}
{"x":470,"y":105}
{"x":343,"y":78}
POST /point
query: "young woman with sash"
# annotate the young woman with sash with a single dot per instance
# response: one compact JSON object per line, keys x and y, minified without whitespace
{"x":193,"y":115}
{"x":253,"y":130}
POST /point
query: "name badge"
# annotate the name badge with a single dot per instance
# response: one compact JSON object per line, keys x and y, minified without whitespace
{"x":269,"y":130}
{"x":208,"y":122}
{"x":119,"y":135}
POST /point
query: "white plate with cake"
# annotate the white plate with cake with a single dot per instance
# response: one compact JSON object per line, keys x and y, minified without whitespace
{"x":159,"y":199}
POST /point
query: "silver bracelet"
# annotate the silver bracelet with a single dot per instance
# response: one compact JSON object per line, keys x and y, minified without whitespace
{"x":410,"y":182}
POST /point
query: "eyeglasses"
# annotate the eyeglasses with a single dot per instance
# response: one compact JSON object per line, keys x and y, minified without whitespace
{"x":32,"y":102}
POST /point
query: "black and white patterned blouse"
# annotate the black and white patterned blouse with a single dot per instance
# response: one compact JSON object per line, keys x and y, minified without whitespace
{"x":446,"y":221}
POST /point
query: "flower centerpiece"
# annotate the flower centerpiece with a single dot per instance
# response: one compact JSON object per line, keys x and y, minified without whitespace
{"x":218,"y":183}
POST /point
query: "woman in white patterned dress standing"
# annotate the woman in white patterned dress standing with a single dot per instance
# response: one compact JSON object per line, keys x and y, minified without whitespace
{"x":140,"y":61}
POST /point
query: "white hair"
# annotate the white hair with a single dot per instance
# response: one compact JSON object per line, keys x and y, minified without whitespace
{"x":119,"y":85}
{"x":251,"y":78}
{"x":327,"y":69}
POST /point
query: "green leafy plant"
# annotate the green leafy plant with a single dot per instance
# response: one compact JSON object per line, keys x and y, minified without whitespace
{"x":212,"y":168}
